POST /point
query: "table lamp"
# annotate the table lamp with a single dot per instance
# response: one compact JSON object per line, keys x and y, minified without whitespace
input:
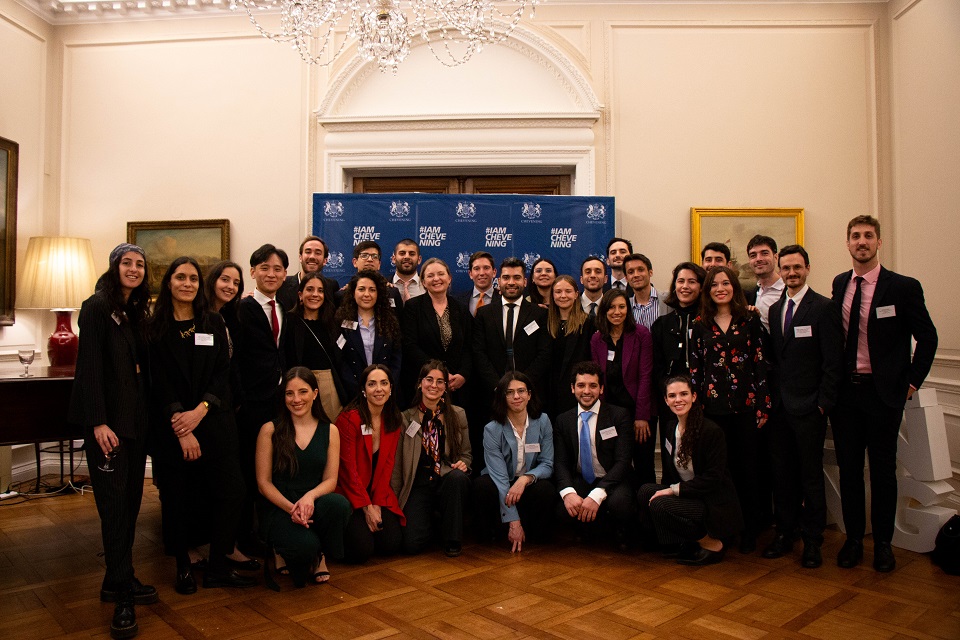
{"x":57,"y":274}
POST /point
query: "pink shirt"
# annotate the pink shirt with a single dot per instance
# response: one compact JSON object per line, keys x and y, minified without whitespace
{"x":867,"y":287}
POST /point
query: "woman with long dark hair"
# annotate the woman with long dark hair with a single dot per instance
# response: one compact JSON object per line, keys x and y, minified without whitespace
{"x":433,"y":463}
{"x":571,"y":329}
{"x":671,"y":332}
{"x":298,"y":457}
{"x":309,"y":342}
{"x":518,"y":451}
{"x":369,"y":330}
{"x":369,"y":432}
{"x":109,"y":401}
{"x":695,"y":509}
{"x":624,"y":351}
{"x":543,"y":273}
{"x":194,"y":435}
{"x":729,"y":374}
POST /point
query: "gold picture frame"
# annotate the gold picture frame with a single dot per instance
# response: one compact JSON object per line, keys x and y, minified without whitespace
{"x":207,"y":241}
{"x":735,"y":227}
{"x":9,"y":166}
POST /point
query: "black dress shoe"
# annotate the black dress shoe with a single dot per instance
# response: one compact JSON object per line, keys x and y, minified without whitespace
{"x":229,"y":578}
{"x":244,"y":565}
{"x":142,"y":593}
{"x":883,"y":560}
{"x":811,"y":558}
{"x":782,"y":545}
{"x":186,"y":584}
{"x":124,"y":623}
{"x":452,"y":549}
{"x":851,"y":553}
{"x":701,"y":558}
{"x":748,"y":544}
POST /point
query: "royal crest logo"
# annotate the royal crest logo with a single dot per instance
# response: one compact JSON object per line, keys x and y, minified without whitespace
{"x":333,"y":209}
{"x":531,"y":211}
{"x":399,"y":209}
{"x":596,"y":212}
{"x":466,"y":210}
{"x":530,"y":258}
{"x":335,"y":260}
{"x":463,"y":260}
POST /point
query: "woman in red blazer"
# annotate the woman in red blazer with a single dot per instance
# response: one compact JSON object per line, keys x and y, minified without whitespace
{"x":369,"y":431}
{"x":624,"y":351}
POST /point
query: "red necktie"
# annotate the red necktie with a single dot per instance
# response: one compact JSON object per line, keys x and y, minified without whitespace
{"x":274,"y":322}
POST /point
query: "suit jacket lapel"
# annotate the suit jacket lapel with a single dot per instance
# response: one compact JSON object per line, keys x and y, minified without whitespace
{"x":883,"y":283}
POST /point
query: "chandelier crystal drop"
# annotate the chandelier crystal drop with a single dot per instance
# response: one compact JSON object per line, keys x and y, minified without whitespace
{"x":454,"y":30}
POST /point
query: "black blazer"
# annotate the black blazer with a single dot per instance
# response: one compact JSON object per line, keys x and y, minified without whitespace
{"x":888,"y":338}
{"x":421,"y":339}
{"x":287,"y":294}
{"x":298,"y":336}
{"x":806,"y":371}
{"x":711,"y":482}
{"x":613,"y":453}
{"x":531,"y":352}
{"x":260,"y":362}
{"x":565,"y":352}
{"x":395,"y":300}
{"x":109,"y":385}
{"x":353,"y":359}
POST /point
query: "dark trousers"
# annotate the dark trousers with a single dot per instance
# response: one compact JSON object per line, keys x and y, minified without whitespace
{"x":796,"y":454}
{"x":643,"y":455}
{"x":743,"y":446}
{"x":118,"y":494}
{"x":251,"y":417}
{"x":359,"y":543}
{"x":862,"y":422}
{"x":619,"y":509}
{"x":216,"y":477}
{"x":536,"y":508}
{"x":675,"y":519}
{"x":449,"y":495}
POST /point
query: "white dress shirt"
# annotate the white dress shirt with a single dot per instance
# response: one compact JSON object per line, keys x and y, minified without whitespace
{"x":597,"y":494}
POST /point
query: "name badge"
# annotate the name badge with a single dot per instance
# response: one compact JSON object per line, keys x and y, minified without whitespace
{"x":203,"y":339}
{"x":611,"y":355}
{"x":609,"y":432}
{"x":349,"y":324}
{"x":804,"y":331}
{"x":341,"y":341}
{"x":531,"y":448}
{"x":393,"y":303}
{"x":413,"y":428}
{"x":531,"y":328}
{"x":668,"y":446}
{"x":889,"y":311}
{"x":365,"y":430}
{"x":116,"y":318}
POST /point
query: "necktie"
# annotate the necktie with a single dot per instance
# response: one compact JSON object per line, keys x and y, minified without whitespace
{"x":511,"y":307}
{"x":593,"y":310}
{"x":586,"y":453}
{"x":619,"y":285}
{"x":274,"y":322}
{"x":853,"y":329}
{"x":479,"y":303}
{"x":788,"y":318}
{"x":406,"y":290}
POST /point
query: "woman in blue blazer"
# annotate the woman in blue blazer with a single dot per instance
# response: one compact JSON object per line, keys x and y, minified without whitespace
{"x":516,"y":485}
{"x":369,"y":330}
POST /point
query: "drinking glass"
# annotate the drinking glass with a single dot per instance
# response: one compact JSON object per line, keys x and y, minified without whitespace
{"x":26,"y":359}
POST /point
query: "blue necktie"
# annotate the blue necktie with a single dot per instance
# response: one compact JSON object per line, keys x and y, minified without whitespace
{"x":787,"y":319}
{"x":586,"y":454}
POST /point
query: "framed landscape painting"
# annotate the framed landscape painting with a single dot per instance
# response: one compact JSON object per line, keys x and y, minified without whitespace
{"x":9,"y":161}
{"x":207,"y":241}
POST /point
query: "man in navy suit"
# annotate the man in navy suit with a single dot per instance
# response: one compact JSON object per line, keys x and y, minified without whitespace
{"x":313,"y":257}
{"x":806,"y":354}
{"x":482,"y":273}
{"x":881,"y":312}
{"x":617,"y":250}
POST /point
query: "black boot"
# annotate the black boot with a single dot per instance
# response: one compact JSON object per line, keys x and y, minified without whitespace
{"x":124,"y":623}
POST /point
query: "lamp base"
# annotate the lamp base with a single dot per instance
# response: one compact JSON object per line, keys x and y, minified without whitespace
{"x":63,"y":343}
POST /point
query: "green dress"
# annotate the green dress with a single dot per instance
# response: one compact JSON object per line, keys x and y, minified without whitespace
{"x":299,"y":545}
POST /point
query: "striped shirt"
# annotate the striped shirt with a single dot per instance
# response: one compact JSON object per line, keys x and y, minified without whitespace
{"x":646,"y":314}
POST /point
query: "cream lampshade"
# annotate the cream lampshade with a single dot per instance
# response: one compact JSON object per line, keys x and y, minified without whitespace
{"x":57,"y":274}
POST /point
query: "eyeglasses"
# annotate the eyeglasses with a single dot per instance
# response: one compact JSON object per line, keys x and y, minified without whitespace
{"x":434,"y":382}
{"x":369,"y":256}
{"x":516,"y":392}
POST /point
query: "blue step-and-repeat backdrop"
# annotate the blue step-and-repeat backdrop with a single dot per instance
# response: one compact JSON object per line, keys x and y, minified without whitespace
{"x":565,"y":229}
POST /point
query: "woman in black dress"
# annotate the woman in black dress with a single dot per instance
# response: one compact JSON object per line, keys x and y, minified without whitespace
{"x":571,"y":329}
{"x":194,"y":435}
{"x":109,"y":401}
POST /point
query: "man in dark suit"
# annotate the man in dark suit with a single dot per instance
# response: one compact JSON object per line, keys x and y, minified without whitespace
{"x":881,"y":311}
{"x":482,"y":273}
{"x":617,"y":250}
{"x":806,"y":354}
{"x":258,"y":352}
{"x":594,"y":477}
{"x":313,"y":257}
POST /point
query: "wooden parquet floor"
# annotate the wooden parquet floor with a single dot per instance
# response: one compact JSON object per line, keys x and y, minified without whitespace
{"x":50,"y":576}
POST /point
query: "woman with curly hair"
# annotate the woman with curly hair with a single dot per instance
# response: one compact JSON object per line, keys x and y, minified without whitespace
{"x":695,"y":508}
{"x":369,"y":330}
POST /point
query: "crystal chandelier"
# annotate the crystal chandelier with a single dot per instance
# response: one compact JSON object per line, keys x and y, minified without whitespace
{"x":454,"y":30}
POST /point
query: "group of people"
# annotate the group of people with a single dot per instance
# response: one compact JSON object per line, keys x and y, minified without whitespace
{"x":314,"y":421}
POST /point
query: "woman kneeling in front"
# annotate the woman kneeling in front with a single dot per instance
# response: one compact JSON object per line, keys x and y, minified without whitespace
{"x":696,"y":507}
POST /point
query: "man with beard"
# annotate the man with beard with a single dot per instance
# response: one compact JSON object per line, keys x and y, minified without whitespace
{"x":313,"y":257}
{"x":762,"y":252}
{"x":406,"y":259}
{"x":617,"y":250}
{"x":592,"y":275}
{"x":881,"y":312}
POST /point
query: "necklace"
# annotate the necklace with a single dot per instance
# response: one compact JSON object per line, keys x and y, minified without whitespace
{"x":186,"y":333}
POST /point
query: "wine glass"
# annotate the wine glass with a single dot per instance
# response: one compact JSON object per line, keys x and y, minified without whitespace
{"x":107,"y":465}
{"x":26,"y":359}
